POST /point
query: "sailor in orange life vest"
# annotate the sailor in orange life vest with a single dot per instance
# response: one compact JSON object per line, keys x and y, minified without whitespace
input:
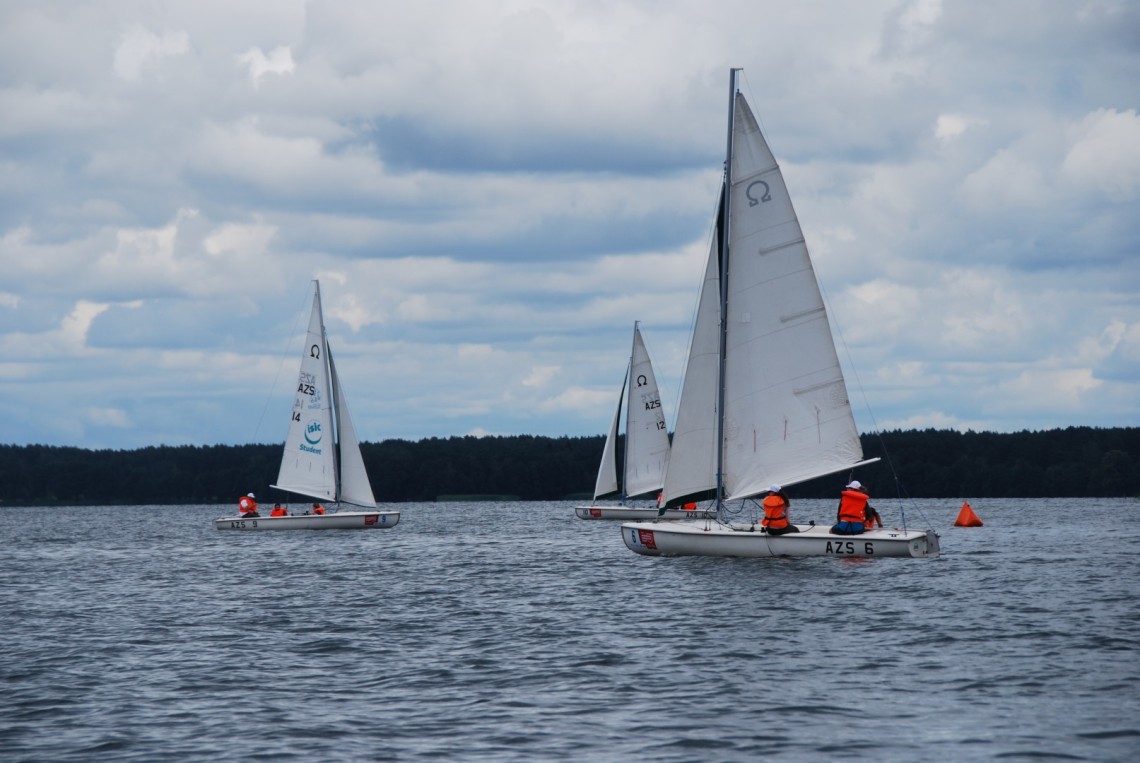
{"x":278,"y":511}
{"x":852,"y":510}
{"x":247,"y":506}
{"x":776,"y":505}
{"x":318,"y":509}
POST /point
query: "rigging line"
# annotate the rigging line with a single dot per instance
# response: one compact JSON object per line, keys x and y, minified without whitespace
{"x":745,"y":85}
{"x":867,"y":403}
{"x":298,"y":315}
{"x":902,"y":491}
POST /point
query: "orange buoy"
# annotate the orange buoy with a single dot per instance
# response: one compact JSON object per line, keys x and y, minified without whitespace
{"x":967,"y":517}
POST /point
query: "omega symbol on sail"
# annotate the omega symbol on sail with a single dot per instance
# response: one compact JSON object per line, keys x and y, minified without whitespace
{"x":313,"y":432}
{"x":752,"y":200}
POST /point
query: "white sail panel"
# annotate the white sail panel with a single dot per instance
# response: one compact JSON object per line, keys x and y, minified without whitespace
{"x":787,"y":416}
{"x":646,"y":436}
{"x":308,"y":464}
{"x":607,"y":481}
{"x":692,"y":459}
{"x":354,"y":485}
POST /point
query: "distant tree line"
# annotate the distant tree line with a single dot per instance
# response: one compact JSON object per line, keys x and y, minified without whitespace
{"x":1077,"y":462}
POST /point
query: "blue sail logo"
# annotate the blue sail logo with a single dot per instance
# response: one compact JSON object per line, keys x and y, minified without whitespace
{"x":313,"y":433}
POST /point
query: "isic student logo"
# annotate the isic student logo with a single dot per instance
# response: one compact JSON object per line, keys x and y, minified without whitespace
{"x":313,"y":435}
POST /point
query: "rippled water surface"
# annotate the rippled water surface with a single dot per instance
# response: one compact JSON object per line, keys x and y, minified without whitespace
{"x":516,"y":632}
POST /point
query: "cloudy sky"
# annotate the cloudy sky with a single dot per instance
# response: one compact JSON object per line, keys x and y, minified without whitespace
{"x":491,"y":193}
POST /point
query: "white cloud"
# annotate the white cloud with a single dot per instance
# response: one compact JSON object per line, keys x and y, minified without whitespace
{"x":951,"y":126}
{"x":232,"y":239}
{"x":1035,"y":388}
{"x":541,"y":376}
{"x":142,"y":49}
{"x":1105,"y":154}
{"x":932,"y":420}
{"x":108,"y":417}
{"x":279,"y":61}
{"x":73,"y":330}
{"x":1007,"y":180}
{"x":578,"y":399}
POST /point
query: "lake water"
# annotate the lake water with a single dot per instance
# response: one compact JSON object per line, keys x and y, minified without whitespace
{"x":517,"y":632}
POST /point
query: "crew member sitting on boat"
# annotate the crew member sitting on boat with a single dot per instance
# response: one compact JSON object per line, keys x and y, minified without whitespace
{"x":318,"y":509}
{"x":852,"y":510}
{"x":248,"y":506}
{"x":776,"y":505}
{"x":278,"y":511}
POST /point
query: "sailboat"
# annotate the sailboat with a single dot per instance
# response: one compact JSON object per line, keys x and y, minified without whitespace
{"x":321,"y":458}
{"x":642,"y":467}
{"x":763,"y":401}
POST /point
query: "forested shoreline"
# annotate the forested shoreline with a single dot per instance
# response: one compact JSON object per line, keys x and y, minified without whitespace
{"x":1072,"y":462}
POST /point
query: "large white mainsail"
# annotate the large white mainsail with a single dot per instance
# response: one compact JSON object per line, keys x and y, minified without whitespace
{"x":786,"y":414}
{"x":787,"y":418}
{"x":646,"y":435}
{"x":308,"y":464}
{"x":320,"y":429}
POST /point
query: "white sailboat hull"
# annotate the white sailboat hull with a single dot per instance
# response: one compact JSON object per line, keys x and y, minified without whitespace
{"x":343,"y":520}
{"x":641,"y":514}
{"x":710,"y":538}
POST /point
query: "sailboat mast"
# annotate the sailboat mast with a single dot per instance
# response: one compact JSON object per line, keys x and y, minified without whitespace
{"x":329,"y":392}
{"x":724,"y":239}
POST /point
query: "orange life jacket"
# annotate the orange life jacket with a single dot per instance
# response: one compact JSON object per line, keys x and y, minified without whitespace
{"x":246,"y":504}
{"x":690,"y":507}
{"x":851,"y":505}
{"x":279,"y":512}
{"x":775,"y":513}
{"x":318,"y":509}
